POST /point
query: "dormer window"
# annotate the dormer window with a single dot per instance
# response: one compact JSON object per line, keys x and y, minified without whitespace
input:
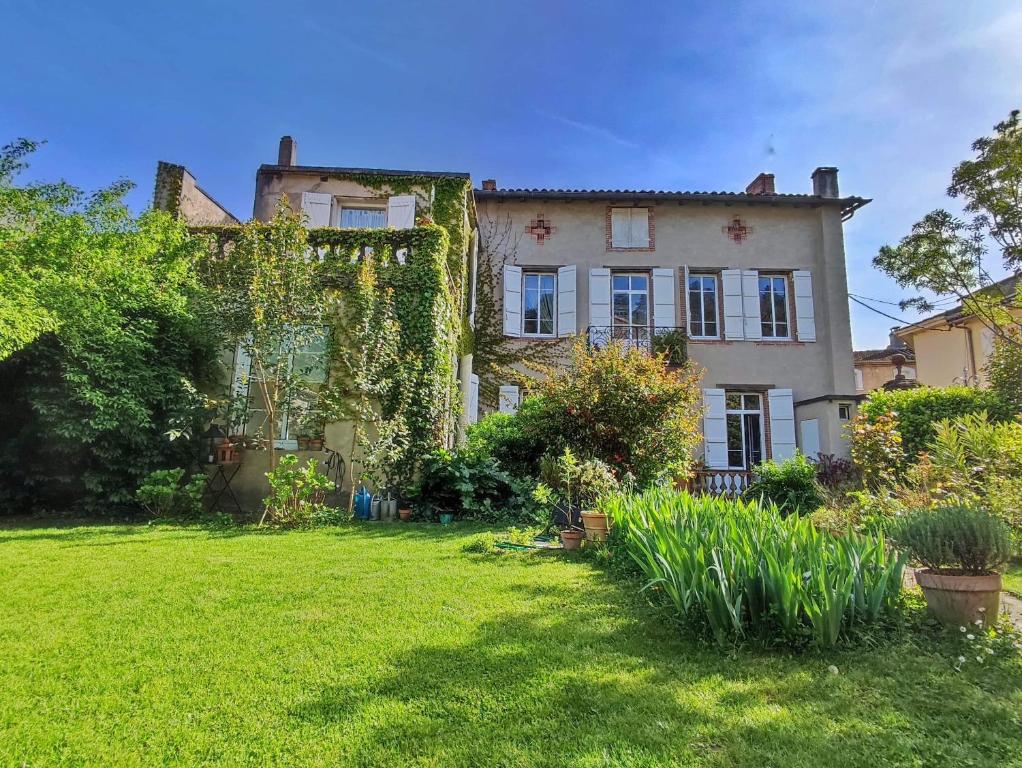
{"x":362,"y":218}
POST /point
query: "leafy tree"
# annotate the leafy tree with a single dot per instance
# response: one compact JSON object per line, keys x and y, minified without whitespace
{"x":272,"y":304}
{"x":116,"y":340}
{"x":1004,"y":369}
{"x":944,"y":253}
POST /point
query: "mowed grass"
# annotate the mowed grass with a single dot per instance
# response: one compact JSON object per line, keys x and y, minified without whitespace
{"x":391,"y":646}
{"x":1013,"y":577}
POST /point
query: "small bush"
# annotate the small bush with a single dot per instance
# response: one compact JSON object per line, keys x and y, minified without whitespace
{"x":296,"y":494}
{"x":916,"y":411}
{"x":163,"y":494}
{"x":791,"y":485}
{"x":503,"y":437}
{"x":471,"y":485}
{"x":876,"y":447}
{"x":744,"y":570}
{"x":1004,"y":370}
{"x":968,"y":539}
{"x":833,"y":472}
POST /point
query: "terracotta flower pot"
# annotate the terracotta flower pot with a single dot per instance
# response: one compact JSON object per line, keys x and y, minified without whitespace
{"x":957,"y":599}
{"x":596,"y":524}
{"x":571,"y":539}
{"x":405,"y":514}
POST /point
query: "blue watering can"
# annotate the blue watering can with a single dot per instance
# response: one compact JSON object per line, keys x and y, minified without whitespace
{"x":363,"y":504}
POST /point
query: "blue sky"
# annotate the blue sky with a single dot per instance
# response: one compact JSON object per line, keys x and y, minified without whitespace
{"x":640,"y":95}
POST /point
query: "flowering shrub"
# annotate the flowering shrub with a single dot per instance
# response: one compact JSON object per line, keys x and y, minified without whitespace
{"x":876,"y":448}
{"x":296,"y":493}
{"x":622,"y":406}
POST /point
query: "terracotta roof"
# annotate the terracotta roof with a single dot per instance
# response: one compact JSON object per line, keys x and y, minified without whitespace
{"x":874,"y":355}
{"x":1006,"y":287}
{"x":848,"y":204}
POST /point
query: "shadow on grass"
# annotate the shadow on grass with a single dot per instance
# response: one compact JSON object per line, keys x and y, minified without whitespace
{"x":569,"y":680}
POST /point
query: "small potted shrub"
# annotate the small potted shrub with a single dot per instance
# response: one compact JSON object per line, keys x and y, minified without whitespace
{"x":960,"y":548}
{"x":594,"y":481}
{"x":574,"y":488}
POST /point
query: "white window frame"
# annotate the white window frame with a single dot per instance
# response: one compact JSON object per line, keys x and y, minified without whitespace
{"x":618,"y":239}
{"x":341,"y":207}
{"x":772,"y":321}
{"x":539,"y":273}
{"x":632,"y":337}
{"x":847,"y":408}
{"x":741,"y":413}
{"x":702,"y":305}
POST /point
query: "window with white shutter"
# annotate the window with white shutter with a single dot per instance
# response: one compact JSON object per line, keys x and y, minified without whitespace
{"x":512,"y":300}
{"x":751,"y":302}
{"x":539,"y":303}
{"x":782,"y":424}
{"x":714,"y":429}
{"x":509,"y":398}
{"x":316,"y":207}
{"x":401,"y":212}
{"x":734,"y":316}
{"x":629,"y":227}
{"x":773,"y":307}
{"x":743,"y":414}
{"x":805,"y":312}
{"x":702,"y":306}
{"x":599,"y":297}
{"x":362,"y":218}
{"x":664,"y":287}
{"x":567,"y":318}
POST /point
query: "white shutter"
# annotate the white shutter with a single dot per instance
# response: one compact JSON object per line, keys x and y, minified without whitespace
{"x":664,"y":287}
{"x":859,"y":386}
{"x":714,"y":429}
{"x":734,"y":316}
{"x":401,"y":211}
{"x":567,"y":316}
{"x":316,"y":207}
{"x":473,"y":399}
{"x":512,"y":300}
{"x":685,"y":299}
{"x":782,"y":424}
{"x":509,"y":398}
{"x":640,"y":228}
{"x":241,"y":380}
{"x":810,"y":429}
{"x":805,"y":313}
{"x":750,"y":305}
{"x":599,"y":297}
{"x":620,"y":227}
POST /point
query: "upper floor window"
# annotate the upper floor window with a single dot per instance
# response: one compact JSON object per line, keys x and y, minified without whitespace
{"x":629,"y":227}
{"x":630,"y":300}
{"x":773,"y":306}
{"x":702,"y":306}
{"x":363,"y":218}
{"x":539,"y":304}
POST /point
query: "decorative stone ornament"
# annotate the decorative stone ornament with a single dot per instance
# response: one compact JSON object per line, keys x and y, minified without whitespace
{"x":737,"y":231}
{"x":541,"y":229}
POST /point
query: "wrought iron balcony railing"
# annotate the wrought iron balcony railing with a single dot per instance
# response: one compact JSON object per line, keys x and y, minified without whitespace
{"x":660,"y":340}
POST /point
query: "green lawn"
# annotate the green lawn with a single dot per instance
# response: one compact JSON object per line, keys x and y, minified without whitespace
{"x":1013,"y":577}
{"x":390,"y":646}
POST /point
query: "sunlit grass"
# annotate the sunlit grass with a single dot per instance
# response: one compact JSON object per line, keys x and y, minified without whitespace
{"x":391,"y":645}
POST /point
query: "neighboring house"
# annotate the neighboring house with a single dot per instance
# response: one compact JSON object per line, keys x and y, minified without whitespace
{"x":875,"y":367}
{"x":953,"y":347}
{"x":176,"y":191}
{"x":756,"y":280}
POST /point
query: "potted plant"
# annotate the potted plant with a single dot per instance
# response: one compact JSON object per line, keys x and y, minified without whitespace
{"x":405,"y":513}
{"x":594,"y":480}
{"x":960,"y":549}
{"x":446,"y":518}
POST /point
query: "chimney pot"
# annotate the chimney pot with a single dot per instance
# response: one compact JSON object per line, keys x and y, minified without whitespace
{"x":490,"y":185}
{"x":288,"y":152}
{"x":761,"y":185}
{"x":825,"y":182}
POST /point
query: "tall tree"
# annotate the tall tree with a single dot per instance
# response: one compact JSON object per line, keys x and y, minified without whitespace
{"x":946,"y":254}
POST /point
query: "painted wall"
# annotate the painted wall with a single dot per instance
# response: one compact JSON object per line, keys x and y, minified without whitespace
{"x":946,"y":356}
{"x":876,"y":374}
{"x":782,"y":239}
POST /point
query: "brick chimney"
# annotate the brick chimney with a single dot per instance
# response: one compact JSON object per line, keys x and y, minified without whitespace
{"x":288,"y":152}
{"x":825,"y":182}
{"x":761,"y":185}
{"x":490,"y":185}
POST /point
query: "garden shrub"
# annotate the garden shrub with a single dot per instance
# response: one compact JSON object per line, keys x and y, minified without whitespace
{"x":503,"y":437}
{"x":468,"y":484}
{"x":876,"y":450}
{"x":297,"y":494}
{"x":971,"y":461}
{"x":958,"y":538}
{"x":164,"y":494}
{"x":834,"y":472}
{"x":1004,"y":369}
{"x":623,"y":406}
{"x":917,"y":410}
{"x":743,"y":570}
{"x":790,"y":484}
